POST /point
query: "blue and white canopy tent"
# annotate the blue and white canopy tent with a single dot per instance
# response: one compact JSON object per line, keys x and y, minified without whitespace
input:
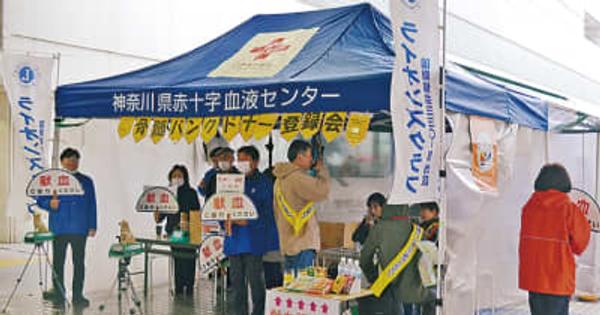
{"x":345,"y":66}
{"x":340,"y":60}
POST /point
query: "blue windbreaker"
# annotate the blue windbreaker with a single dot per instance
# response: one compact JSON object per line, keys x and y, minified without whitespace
{"x":260,"y":235}
{"x":75,"y":214}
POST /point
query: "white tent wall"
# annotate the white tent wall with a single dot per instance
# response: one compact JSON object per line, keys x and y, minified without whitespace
{"x":483,"y":228}
{"x":578,"y":152}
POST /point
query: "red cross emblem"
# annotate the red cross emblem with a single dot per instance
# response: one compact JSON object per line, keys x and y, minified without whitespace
{"x":275,"y":45}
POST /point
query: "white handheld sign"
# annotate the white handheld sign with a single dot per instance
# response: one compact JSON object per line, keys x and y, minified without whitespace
{"x":236,"y":206}
{"x":48,"y":182}
{"x":588,"y":206}
{"x":159,"y":199}
{"x":211,"y":253}
{"x":230,"y":183}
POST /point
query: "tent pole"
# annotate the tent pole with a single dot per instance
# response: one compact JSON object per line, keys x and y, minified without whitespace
{"x":547,"y":147}
{"x":597,"y":182}
{"x":56,"y":138}
{"x":270,"y":148}
{"x":442,"y":230}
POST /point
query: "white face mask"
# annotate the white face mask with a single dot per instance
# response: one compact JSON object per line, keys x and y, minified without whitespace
{"x":244,"y":167}
{"x":177,"y":182}
{"x":224,"y":165}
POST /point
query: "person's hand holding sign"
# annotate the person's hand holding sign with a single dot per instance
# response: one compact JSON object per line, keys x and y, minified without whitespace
{"x":54,"y":202}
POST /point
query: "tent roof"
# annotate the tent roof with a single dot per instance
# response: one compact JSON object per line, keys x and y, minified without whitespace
{"x":345,"y":66}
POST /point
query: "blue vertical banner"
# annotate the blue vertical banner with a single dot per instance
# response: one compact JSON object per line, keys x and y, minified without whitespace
{"x":28,"y":84}
{"x":415,"y":103}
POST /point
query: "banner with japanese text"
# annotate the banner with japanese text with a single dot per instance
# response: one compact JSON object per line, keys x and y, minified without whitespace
{"x":291,"y":125}
{"x":28,"y":83}
{"x":415,"y":107}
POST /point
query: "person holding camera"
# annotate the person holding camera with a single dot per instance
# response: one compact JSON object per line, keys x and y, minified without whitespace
{"x":300,"y":183}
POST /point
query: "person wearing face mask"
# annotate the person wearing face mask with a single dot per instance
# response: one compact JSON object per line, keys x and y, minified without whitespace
{"x":187,"y":200}
{"x":375,"y":203}
{"x":211,"y":172}
{"x":224,"y":157}
{"x":251,"y":239}
{"x":295,"y":192}
{"x":72,"y":220}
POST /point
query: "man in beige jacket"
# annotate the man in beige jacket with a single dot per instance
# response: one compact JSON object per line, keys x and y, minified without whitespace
{"x":295,"y":193}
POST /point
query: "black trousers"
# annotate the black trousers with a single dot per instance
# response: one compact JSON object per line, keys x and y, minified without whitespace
{"x":247,"y":269}
{"x":273,"y":274}
{"x":59,"y":251}
{"x":185,"y":271}
{"x":546,"y":304}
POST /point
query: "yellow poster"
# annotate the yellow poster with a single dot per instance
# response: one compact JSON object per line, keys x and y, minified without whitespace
{"x":358,"y":125}
{"x":484,"y":145}
{"x":140,"y":129}
{"x":192,"y":129}
{"x":311,"y":123}
{"x":264,"y":125}
{"x":209,"y":128}
{"x":230,"y":127}
{"x":125,"y":125}
{"x":333,"y":125}
{"x":159,"y":129}
{"x":176,"y":129}
{"x":290,"y":125}
{"x":247,"y":127}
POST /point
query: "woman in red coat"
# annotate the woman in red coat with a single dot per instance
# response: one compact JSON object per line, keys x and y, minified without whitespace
{"x":553,"y":231}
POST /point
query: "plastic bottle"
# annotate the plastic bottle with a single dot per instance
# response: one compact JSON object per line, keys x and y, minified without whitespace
{"x":357,"y":270}
{"x":342,"y":266}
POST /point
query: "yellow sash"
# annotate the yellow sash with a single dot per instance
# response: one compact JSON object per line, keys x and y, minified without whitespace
{"x":397,"y":265}
{"x":296,"y":219}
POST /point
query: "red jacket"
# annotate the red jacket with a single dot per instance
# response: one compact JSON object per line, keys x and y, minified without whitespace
{"x":552,"y":230}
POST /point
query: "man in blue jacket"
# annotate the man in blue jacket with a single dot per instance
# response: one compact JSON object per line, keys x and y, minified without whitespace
{"x":251,"y":239}
{"x":72,"y":220}
{"x":213,"y":155}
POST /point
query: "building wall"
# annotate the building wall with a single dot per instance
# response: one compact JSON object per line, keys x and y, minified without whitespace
{"x":540,"y":42}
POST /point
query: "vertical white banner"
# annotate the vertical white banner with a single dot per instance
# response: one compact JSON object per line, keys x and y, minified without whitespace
{"x":415,"y":108}
{"x":28,"y":84}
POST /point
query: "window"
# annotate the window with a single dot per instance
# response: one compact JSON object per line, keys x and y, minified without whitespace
{"x":372,"y":158}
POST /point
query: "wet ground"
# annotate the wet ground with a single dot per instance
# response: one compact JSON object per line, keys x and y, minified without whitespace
{"x":28,"y":298}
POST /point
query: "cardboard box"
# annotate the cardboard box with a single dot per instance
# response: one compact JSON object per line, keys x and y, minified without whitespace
{"x":336,"y":235}
{"x":195,"y":227}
